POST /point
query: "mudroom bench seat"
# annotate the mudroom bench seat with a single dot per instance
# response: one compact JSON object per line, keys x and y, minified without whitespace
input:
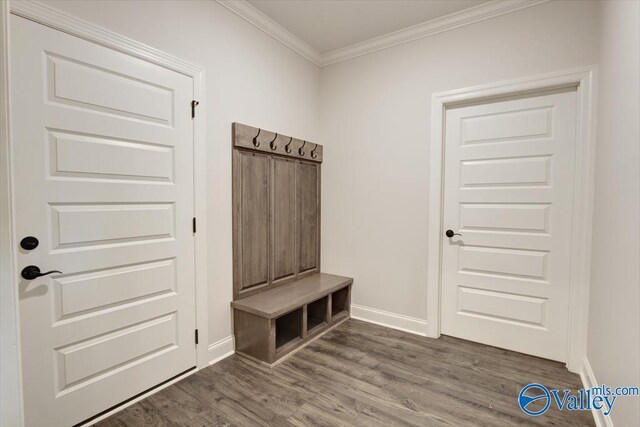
{"x":273,"y":323}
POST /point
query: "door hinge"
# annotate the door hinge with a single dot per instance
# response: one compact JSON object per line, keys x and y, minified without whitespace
{"x":196,"y":336}
{"x":194,"y":225}
{"x":194,"y":104}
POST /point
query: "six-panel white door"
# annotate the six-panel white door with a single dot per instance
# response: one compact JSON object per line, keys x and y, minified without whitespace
{"x":103,"y":178}
{"x":509,"y":174}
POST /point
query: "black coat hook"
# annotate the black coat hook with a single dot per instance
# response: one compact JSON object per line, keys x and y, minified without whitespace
{"x":256,"y":143}
{"x":313,"y":152}
{"x":272,"y":145}
{"x":286,"y":147}
{"x":300,"y":150}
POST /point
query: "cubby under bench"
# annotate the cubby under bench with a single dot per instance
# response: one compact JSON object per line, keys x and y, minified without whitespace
{"x":272,"y":324}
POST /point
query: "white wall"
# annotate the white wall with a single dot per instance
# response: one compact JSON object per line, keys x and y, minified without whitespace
{"x":375,"y":127}
{"x":614,"y":314}
{"x":250,"y":78}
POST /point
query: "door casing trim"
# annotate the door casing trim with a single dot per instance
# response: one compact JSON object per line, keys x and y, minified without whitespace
{"x":584,"y":80}
{"x":57,"y":20}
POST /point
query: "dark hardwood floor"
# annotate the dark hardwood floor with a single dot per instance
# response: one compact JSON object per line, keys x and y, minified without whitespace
{"x":364,"y":375}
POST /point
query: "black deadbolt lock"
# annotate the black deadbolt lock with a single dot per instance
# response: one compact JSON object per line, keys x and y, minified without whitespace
{"x":29,"y":243}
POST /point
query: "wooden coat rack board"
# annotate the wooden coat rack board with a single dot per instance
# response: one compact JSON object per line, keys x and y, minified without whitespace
{"x":281,"y":300}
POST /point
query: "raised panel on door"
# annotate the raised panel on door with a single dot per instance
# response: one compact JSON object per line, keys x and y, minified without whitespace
{"x":103,"y":172}
{"x":94,"y":291}
{"x":87,"y":157}
{"x":83,"y":361}
{"x":90,"y":86}
{"x":253,"y":214}
{"x":308,"y":183}
{"x":509,"y":193}
{"x":89,"y":224}
{"x":283,"y":216}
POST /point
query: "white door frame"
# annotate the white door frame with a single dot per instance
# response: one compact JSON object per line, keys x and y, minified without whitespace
{"x":584,"y":80}
{"x":12,"y":410}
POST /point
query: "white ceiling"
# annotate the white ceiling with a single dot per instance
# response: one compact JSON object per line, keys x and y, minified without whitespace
{"x":327,"y":25}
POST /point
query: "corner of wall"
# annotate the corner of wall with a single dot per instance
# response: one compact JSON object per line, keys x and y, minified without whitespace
{"x":589,"y":381}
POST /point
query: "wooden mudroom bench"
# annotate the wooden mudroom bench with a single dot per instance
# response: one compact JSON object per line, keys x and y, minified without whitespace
{"x":271,"y":324}
{"x":281,"y":300}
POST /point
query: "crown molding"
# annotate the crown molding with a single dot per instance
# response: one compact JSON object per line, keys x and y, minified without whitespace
{"x":51,"y":17}
{"x":448,"y":22}
{"x":464,"y":17}
{"x":252,"y":15}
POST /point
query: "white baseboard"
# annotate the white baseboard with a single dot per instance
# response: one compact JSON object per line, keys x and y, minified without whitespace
{"x":589,"y":381}
{"x":391,"y":320}
{"x":221,"y":349}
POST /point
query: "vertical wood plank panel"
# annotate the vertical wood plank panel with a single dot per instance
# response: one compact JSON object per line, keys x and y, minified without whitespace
{"x":254,"y":219}
{"x":284,"y":218}
{"x":309,"y":216}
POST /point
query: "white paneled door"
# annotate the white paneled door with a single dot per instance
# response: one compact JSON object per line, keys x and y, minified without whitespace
{"x":509,"y":178}
{"x":103,"y":178}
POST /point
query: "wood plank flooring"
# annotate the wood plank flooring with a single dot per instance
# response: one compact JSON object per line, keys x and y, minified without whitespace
{"x":362,"y":374}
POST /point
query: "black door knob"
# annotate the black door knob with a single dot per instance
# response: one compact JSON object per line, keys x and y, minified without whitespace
{"x":29,"y":243}
{"x":31,"y":272}
{"x":450,"y":233}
